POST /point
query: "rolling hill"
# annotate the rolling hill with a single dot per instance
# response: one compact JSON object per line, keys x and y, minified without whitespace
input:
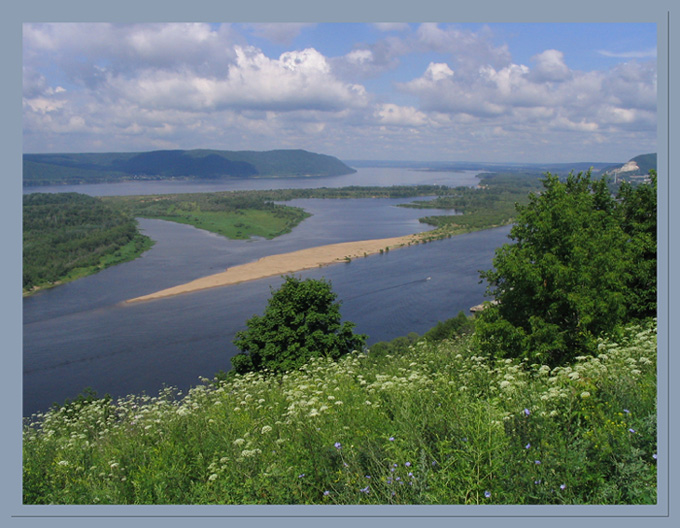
{"x":50,"y":169}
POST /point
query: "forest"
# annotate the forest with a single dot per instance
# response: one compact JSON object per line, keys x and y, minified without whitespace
{"x":69,"y":235}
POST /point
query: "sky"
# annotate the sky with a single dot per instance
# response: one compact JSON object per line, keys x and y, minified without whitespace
{"x":394,"y":91}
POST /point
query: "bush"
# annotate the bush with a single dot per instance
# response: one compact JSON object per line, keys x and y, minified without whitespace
{"x":301,"y":321}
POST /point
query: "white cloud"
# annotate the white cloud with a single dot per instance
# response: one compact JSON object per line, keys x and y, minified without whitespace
{"x":438,"y":71}
{"x":643,"y":54}
{"x":550,"y":67}
{"x":391,"y":114}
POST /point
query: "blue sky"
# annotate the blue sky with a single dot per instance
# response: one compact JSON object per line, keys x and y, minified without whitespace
{"x":444,"y":92}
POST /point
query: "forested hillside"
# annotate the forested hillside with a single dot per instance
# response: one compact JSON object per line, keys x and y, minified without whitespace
{"x":50,"y":169}
{"x":69,"y":235}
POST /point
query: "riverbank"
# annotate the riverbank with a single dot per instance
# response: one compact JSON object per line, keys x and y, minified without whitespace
{"x":286,"y":263}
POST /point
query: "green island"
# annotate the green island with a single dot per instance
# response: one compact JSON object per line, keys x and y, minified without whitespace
{"x":546,"y":396}
{"x":67,"y":236}
{"x":236,"y":215}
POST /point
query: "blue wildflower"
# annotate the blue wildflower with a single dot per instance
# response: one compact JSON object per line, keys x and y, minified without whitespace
{"x":631,"y":430}
{"x":408,"y":464}
{"x":338,"y":445}
{"x":365,"y":490}
{"x":537,"y":461}
{"x":326,"y":492}
{"x":527,"y":446}
{"x":527,"y":412}
{"x":487,"y":494}
{"x":563,"y":486}
{"x":391,"y":439}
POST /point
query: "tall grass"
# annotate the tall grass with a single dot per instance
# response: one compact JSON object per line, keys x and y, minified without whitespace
{"x":436,"y":425}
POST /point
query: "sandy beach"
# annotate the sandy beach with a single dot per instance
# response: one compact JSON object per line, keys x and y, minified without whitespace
{"x":285,"y":263}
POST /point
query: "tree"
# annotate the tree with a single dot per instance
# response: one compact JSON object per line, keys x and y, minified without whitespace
{"x":566,"y":279}
{"x":638,"y":206}
{"x":301,"y":321}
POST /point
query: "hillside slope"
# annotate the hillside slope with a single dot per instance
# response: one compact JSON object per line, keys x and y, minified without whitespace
{"x":46,"y":169}
{"x":437,"y":424}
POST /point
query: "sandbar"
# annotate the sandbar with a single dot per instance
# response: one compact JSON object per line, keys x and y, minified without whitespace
{"x":285,"y":263}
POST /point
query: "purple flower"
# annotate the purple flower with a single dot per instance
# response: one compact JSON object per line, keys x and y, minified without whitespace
{"x":563,"y":486}
{"x":408,"y":464}
{"x":527,"y":412}
{"x":487,"y":494}
{"x":410,"y":474}
{"x":537,"y":481}
{"x":338,"y":445}
{"x":326,"y":492}
{"x":301,"y":475}
{"x":631,"y":430}
{"x":368,"y":476}
{"x":365,"y":490}
{"x":654,"y":456}
{"x":527,"y":446}
{"x":537,"y":461}
{"x":626,"y":411}
{"x":391,"y":439}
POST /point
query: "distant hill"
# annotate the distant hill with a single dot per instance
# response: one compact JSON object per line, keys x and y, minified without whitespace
{"x":50,"y":169}
{"x":638,"y":166}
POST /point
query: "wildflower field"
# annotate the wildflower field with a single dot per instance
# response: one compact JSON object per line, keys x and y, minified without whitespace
{"x":438,"y":424}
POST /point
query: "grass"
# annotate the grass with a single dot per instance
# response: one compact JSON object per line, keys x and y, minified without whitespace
{"x":438,"y":424}
{"x":243,"y":224}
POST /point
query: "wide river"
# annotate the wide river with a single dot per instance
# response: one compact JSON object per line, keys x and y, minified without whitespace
{"x":81,"y":335}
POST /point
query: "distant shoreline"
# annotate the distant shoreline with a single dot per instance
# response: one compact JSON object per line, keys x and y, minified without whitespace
{"x":285,"y":263}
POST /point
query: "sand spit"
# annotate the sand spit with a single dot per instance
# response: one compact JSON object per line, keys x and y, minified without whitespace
{"x":284,"y":264}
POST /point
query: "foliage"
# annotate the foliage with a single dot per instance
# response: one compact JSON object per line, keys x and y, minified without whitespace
{"x":492,"y":203}
{"x":568,"y":275}
{"x":638,"y":205}
{"x":439,"y":424}
{"x":68,"y":235}
{"x":301,"y":321}
{"x":450,"y":328}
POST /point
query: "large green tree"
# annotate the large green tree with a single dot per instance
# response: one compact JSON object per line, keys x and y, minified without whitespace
{"x":302,"y":320}
{"x":578,"y":253}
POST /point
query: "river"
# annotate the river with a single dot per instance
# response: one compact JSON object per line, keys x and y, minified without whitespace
{"x":81,"y":335}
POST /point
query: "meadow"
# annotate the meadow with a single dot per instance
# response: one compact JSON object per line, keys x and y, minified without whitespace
{"x":436,"y":423}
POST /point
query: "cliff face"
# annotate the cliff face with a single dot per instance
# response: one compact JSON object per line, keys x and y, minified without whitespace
{"x":638,"y":166}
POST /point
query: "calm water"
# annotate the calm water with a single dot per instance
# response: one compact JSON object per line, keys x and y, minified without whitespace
{"x":363,"y":177}
{"x":81,"y":334}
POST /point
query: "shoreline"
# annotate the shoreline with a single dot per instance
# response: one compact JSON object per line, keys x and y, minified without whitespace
{"x":285,"y":263}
